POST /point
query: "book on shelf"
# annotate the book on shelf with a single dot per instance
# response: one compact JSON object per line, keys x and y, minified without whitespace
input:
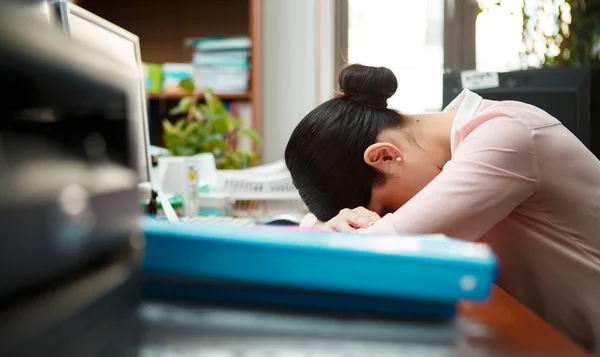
{"x":231,"y":43}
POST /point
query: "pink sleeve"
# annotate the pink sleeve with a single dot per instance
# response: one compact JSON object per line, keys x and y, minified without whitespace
{"x":492,"y":171}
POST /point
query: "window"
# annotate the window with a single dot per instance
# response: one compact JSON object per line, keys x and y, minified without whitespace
{"x":407,"y":37}
{"x":499,"y":32}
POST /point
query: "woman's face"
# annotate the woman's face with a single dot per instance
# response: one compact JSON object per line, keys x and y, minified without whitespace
{"x":404,"y":179}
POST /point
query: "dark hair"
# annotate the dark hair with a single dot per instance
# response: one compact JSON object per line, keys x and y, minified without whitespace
{"x":325,"y":152}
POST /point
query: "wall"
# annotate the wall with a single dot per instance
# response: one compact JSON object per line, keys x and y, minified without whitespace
{"x":296,"y":40}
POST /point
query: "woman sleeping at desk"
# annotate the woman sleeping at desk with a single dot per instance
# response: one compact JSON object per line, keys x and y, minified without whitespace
{"x":505,"y":173}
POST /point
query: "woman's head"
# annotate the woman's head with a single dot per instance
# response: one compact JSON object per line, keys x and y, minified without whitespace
{"x":352,"y":150}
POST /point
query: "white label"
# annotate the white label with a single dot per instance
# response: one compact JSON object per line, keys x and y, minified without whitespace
{"x":381,"y":244}
{"x":479,"y":80}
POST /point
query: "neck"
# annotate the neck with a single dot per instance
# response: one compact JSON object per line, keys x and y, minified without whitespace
{"x":433,"y":132}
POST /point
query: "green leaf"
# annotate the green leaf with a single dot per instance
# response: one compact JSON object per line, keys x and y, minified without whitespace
{"x":172,"y":141}
{"x":198,"y":114}
{"x":215,"y":105}
{"x":204,"y":108}
{"x":236,"y":123}
{"x":187,"y":85}
{"x":234,"y":161}
{"x":254,"y":157}
{"x":221,"y":125}
{"x":193,"y":141}
{"x":227,"y":162}
{"x":246,"y":158}
{"x":191,"y":127}
{"x":214,"y":144}
{"x":253,"y":135}
{"x":184,"y":151}
{"x":180,"y":124}
{"x":209,"y":98}
{"x":172,"y":137}
{"x":208,"y":114}
{"x":182,"y":106}
{"x":168,"y":126}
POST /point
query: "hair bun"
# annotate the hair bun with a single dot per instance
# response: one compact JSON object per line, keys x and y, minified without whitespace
{"x":371,"y":86}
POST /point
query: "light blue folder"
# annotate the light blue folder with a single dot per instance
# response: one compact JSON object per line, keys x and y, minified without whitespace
{"x":413,"y":275}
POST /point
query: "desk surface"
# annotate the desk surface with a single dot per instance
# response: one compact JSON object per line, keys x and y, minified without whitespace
{"x":509,"y":329}
{"x":499,"y":327}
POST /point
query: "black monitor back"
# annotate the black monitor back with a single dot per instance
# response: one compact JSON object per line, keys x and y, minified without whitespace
{"x":64,"y":128}
{"x":564,"y":93}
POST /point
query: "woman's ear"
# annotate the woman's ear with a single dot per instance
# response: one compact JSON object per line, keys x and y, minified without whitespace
{"x":380,"y":154}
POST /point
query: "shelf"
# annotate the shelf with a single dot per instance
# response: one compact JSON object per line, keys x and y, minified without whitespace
{"x":163,"y":26}
{"x":222,"y":96}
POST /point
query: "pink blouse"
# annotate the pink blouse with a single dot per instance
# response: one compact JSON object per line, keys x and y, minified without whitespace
{"x":521,"y":182}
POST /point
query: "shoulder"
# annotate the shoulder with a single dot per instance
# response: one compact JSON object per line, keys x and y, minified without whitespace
{"x":500,"y":143}
{"x":529,"y":115}
{"x":497,"y":131}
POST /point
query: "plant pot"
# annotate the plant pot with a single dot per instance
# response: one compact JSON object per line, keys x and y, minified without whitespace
{"x":173,"y":171}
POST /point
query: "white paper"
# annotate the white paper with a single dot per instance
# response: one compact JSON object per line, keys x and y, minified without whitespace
{"x":474,"y":80}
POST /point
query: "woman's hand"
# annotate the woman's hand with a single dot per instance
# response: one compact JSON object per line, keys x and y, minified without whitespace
{"x":349,"y":220}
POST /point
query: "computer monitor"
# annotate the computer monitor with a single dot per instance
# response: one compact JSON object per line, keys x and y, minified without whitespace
{"x":564,"y":93}
{"x":124,"y":46}
{"x":67,"y":192}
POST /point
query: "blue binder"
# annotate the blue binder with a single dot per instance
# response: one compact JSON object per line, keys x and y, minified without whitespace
{"x":406,"y":275}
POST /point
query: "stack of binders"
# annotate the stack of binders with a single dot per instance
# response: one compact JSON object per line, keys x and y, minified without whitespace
{"x":403,"y":276}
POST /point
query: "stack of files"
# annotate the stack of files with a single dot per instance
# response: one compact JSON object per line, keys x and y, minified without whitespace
{"x":222,"y":63}
{"x":409,"y":276}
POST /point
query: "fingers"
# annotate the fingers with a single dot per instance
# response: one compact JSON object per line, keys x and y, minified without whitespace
{"x":361,"y":217}
{"x":343,"y":227}
{"x":349,"y":220}
{"x":360,"y":222}
{"x":366,"y":213}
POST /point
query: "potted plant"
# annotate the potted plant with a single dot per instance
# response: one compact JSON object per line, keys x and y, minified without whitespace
{"x":208,"y":128}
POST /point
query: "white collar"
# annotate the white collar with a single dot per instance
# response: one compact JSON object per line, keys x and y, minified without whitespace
{"x":466,"y":105}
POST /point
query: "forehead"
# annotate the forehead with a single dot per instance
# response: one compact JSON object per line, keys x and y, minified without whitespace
{"x":379,"y":199}
{"x":388,"y":197}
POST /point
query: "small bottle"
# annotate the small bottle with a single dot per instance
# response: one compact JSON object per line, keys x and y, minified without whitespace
{"x":190,"y":196}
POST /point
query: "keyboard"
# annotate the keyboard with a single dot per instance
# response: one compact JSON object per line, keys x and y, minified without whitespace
{"x":220,"y":220}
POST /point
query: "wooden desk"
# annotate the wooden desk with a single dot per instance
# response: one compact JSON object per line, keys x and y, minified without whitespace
{"x":503,"y":327}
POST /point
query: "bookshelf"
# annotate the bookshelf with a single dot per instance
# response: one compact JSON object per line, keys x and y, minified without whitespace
{"x":163,"y":26}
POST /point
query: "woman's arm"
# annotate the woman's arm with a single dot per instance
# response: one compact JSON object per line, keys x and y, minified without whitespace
{"x":491,"y":172}
{"x":309,"y":221}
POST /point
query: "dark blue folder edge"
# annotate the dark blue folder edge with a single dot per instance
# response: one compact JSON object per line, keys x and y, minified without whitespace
{"x":160,"y":287}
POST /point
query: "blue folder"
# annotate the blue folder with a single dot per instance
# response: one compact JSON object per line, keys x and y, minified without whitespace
{"x":408,"y":275}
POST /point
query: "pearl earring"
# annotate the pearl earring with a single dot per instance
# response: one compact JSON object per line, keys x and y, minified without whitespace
{"x":398,"y":158}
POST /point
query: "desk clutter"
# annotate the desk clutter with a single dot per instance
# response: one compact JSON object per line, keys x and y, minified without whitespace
{"x":263,"y":193}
